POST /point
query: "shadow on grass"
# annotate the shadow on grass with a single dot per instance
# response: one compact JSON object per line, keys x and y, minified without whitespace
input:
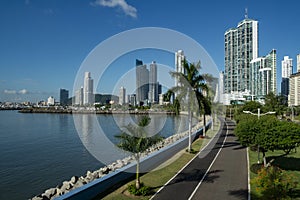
{"x":285,"y":163}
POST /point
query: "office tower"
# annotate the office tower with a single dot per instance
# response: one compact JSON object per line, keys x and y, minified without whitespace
{"x":63,"y":96}
{"x":294,"y":89}
{"x":153,"y":84}
{"x":271,"y":61}
{"x":133,"y":100}
{"x":287,"y":69}
{"x":122,"y":96}
{"x":298,"y":63}
{"x":241,"y":47}
{"x":79,"y":97}
{"x":88,"y":95}
{"x":179,"y":64}
{"x":142,"y":82}
{"x":263,"y":75}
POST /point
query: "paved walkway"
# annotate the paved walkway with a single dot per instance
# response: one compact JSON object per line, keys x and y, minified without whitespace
{"x":219,"y":172}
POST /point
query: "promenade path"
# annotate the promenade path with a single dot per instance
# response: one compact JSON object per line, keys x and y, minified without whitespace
{"x":219,"y":171}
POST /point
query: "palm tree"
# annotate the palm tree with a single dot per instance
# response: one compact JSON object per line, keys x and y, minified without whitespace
{"x":134,"y":140}
{"x":190,"y":89}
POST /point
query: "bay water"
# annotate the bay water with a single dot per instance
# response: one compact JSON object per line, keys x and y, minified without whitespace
{"x":39,"y":151}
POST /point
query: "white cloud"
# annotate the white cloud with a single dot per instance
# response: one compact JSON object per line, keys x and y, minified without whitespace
{"x":24,"y":91}
{"x":128,"y":9}
{"x":10,"y":92}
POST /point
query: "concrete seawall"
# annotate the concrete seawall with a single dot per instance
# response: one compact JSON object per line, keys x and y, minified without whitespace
{"x":120,"y":176}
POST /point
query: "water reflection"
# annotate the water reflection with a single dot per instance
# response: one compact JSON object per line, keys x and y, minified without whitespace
{"x":97,"y":132}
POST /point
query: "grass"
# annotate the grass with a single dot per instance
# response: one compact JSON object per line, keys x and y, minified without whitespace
{"x":162,"y":174}
{"x":289,"y":163}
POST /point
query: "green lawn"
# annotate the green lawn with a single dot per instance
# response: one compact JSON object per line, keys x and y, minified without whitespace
{"x":158,"y":177}
{"x":289,"y":163}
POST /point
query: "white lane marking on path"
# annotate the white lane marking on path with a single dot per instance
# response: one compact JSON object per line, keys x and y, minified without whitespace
{"x":249,"y":186}
{"x":194,"y":192}
{"x":184,"y":167}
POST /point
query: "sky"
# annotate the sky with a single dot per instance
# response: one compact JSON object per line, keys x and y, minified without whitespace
{"x":43,"y":43}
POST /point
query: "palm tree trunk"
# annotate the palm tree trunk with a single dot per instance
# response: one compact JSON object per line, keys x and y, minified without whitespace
{"x":190,"y":129}
{"x":204,"y":125}
{"x":137,"y":181}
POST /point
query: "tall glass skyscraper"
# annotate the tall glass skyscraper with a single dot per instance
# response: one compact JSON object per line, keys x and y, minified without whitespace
{"x":63,"y":97}
{"x":153,"y":84}
{"x":241,"y":47}
{"x":142,"y":82}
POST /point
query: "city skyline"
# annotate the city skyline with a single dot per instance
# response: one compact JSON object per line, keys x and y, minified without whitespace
{"x":44,"y":43}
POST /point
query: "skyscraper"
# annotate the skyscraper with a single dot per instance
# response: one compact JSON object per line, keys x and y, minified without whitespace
{"x":179,"y":62}
{"x":221,"y":87}
{"x":142,"y":82}
{"x":241,"y":47}
{"x":287,"y":70}
{"x":263,"y":75}
{"x":298,"y":63}
{"x":122,"y":96}
{"x":63,"y":96}
{"x":79,"y":97}
{"x":88,"y":95}
{"x":153,"y":84}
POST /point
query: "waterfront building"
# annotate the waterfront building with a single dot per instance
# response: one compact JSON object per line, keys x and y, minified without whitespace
{"x":133,"y":100}
{"x":50,"y":101}
{"x":79,"y":97}
{"x":88,"y":94}
{"x":241,"y":47}
{"x":294,"y":89}
{"x":122,"y":96}
{"x":287,"y":70}
{"x":263,"y":75}
{"x":153,"y":84}
{"x":142,"y":82}
{"x":179,"y":64}
{"x":63,"y":97}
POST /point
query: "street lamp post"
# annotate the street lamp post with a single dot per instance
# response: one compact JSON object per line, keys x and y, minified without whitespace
{"x":258,"y":116}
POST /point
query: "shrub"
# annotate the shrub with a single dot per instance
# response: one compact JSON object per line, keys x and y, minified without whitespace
{"x":274,"y":183}
{"x":144,"y":190}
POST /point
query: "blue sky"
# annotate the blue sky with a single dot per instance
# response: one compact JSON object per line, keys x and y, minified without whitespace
{"x":44,"y":42}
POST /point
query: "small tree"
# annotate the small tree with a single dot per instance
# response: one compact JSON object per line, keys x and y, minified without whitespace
{"x":135,"y":140}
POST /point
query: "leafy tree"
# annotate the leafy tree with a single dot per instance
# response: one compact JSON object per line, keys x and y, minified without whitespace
{"x":275,"y":103}
{"x":191,"y":85}
{"x":268,"y":133}
{"x":135,"y":139}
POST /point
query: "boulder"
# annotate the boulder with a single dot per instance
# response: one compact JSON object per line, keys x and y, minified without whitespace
{"x":50,"y":192}
{"x":74,"y":179}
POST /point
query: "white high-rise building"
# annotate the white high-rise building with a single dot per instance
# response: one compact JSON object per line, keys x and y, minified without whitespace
{"x":88,"y":95}
{"x":286,"y":67}
{"x":287,"y":70}
{"x":179,"y":62}
{"x":122,"y":96}
{"x":241,"y":47}
{"x":79,"y":97}
{"x":298,"y":63}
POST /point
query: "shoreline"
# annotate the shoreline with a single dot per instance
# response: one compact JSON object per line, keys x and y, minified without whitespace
{"x":76,"y":182}
{"x":70,"y":111}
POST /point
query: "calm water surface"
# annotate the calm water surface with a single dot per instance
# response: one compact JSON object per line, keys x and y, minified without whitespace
{"x":39,"y":151}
